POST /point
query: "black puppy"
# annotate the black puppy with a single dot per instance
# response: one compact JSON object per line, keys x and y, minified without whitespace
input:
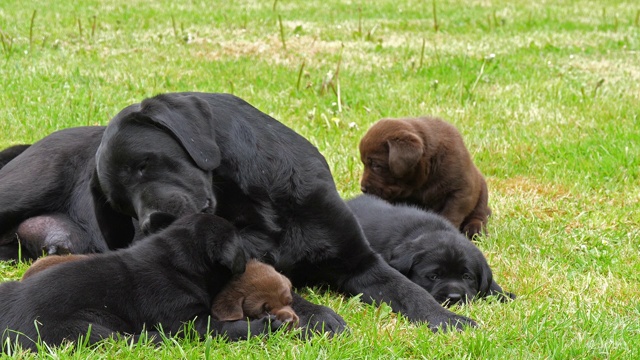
{"x":160,"y":282}
{"x":427,"y":249}
{"x":185,"y":153}
{"x":10,"y":153}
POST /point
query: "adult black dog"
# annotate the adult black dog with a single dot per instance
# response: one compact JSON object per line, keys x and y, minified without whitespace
{"x":427,"y":249}
{"x":159,"y":283}
{"x":185,"y":153}
{"x":45,"y":197}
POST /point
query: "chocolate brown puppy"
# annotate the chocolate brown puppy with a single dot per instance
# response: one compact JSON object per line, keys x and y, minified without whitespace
{"x":258,"y":292}
{"x":423,"y":161}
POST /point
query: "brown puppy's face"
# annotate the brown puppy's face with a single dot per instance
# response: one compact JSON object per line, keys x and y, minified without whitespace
{"x":260,"y":291}
{"x":393,"y":160}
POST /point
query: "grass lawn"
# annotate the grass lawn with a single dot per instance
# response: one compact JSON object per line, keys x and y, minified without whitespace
{"x":546,"y":94}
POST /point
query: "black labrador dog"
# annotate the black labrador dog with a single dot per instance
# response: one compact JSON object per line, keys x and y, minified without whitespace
{"x":183,"y":153}
{"x":45,"y":197}
{"x":427,"y":249}
{"x":159,"y":283}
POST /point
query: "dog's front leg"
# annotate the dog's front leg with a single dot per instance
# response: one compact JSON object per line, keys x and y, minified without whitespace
{"x":239,"y":329}
{"x":316,"y":318}
{"x":379,"y":283}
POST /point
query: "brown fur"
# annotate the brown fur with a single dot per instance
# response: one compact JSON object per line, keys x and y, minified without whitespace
{"x":259,"y":291}
{"x":49,"y":261}
{"x":423,"y":161}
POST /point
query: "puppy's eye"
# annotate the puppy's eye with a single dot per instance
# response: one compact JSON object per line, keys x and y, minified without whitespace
{"x":432,"y":277}
{"x":467,"y":276}
{"x":378,"y":169}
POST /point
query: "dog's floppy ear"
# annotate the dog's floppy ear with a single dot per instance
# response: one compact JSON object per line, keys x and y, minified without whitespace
{"x":489,"y":287}
{"x":116,"y":228}
{"x":402,"y":257}
{"x":190,"y":119}
{"x":405,"y":150}
{"x":227,"y":308}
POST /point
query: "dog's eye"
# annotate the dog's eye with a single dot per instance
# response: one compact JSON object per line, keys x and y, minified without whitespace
{"x":378,"y":169}
{"x":467,"y":276}
{"x":432,"y":276}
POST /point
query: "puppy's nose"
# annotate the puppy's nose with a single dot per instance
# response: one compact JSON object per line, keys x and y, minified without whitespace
{"x":363,"y":189}
{"x":454,"y":297}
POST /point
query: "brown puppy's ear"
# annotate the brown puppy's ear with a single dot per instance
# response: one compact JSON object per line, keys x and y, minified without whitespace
{"x":226,"y":309}
{"x":405,"y":150}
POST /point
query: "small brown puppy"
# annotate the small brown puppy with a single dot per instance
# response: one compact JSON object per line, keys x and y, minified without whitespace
{"x":259,"y":291}
{"x":49,"y":261}
{"x":423,"y":161}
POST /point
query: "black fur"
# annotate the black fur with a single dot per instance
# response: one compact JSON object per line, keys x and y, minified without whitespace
{"x":10,"y":153}
{"x":185,"y":153}
{"x":51,"y":179}
{"x":160,"y":282}
{"x":427,"y":249}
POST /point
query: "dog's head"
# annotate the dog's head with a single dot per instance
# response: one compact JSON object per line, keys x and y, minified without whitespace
{"x":260,"y":291}
{"x":213,"y":237}
{"x":393,"y":158}
{"x":450,"y":267}
{"x":157,"y":156}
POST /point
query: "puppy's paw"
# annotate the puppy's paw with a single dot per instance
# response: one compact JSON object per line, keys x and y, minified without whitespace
{"x":448,"y":321}
{"x":321,"y":320}
{"x":288,"y":316}
{"x":242,"y":329}
{"x":473,"y":228}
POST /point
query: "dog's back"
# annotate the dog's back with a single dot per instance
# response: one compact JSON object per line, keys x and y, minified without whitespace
{"x":374,"y":216}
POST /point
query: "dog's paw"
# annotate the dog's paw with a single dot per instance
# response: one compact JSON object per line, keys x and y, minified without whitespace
{"x":448,"y":321}
{"x":288,"y":316}
{"x":474,"y":228}
{"x":321,"y":320}
{"x":243,"y":329}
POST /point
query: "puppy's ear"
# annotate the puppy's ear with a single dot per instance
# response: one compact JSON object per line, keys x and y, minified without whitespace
{"x":227,"y":309}
{"x":190,"y":119}
{"x":116,"y":228}
{"x":405,"y":150}
{"x":402,"y":258}
{"x":489,"y":287}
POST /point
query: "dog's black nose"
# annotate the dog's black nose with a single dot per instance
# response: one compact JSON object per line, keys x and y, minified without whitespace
{"x":363,"y":189}
{"x":454,"y":297}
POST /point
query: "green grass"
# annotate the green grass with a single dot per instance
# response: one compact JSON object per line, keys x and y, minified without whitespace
{"x":545,"y":93}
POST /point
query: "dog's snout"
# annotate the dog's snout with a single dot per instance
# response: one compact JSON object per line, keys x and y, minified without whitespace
{"x":363,"y":189}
